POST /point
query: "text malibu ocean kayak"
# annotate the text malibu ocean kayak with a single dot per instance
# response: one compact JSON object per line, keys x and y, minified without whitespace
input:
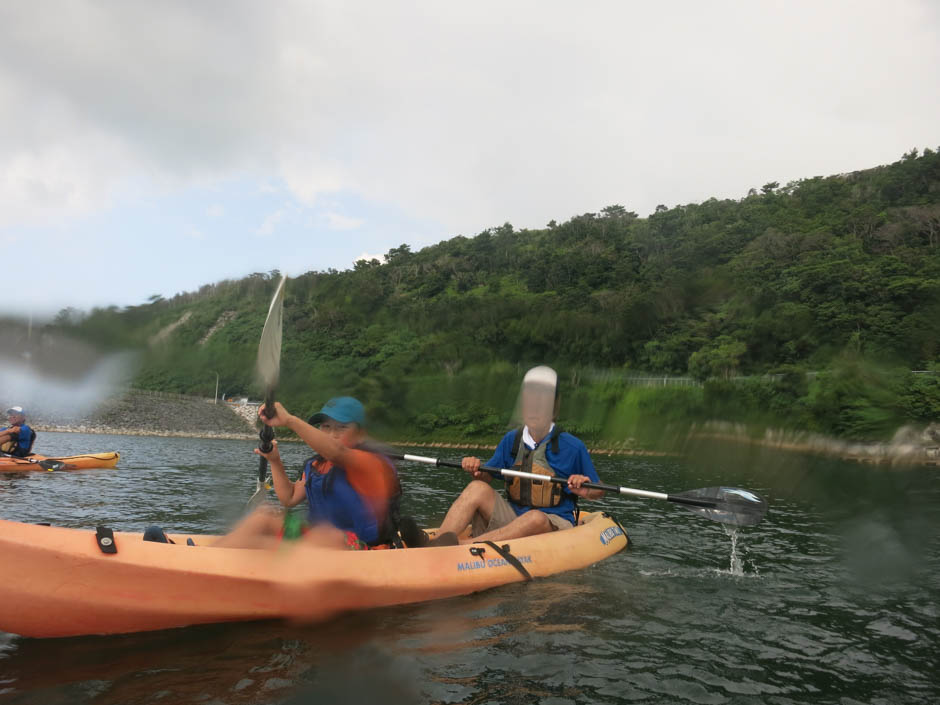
{"x":69,"y":462}
{"x":71,"y":582}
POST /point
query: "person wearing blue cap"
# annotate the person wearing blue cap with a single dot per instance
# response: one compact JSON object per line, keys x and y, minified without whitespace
{"x":16,"y":438}
{"x":350,"y":485}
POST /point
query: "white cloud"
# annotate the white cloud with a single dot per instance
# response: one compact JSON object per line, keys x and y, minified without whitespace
{"x":47,"y":184}
{"x":465,"y":114}
{"x":368,"y":257}
{"x":337,"y":221}
{"x":216,"y":210}
{"x":193,"y":233}
{"x":270,"y":223}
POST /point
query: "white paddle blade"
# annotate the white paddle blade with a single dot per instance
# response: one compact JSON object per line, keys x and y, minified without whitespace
{"x":269,"y":349}
{"x":731,"y":505}
{"x":259,"y":497}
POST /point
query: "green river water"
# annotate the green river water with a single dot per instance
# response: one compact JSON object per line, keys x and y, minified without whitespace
{"x":832,"y":599}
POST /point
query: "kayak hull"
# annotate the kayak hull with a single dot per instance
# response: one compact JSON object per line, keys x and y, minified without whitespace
{"x":72,"y":462}
{"x":65,"y":585}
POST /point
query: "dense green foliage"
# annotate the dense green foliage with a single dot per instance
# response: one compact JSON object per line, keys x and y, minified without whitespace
{"x":839,"y":275}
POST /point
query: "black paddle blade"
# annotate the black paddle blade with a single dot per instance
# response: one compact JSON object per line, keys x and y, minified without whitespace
{"x":728,"y":505}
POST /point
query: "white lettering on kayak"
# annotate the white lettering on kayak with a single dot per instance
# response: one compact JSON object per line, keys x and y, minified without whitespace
{"x":610,"y":533}
{"x":490,"y":563}
{"x":470,"y":565}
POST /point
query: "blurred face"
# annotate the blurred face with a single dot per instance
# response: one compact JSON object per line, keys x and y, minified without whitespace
{"x":346,"y":433}
{"x":538,"y":408}
{"x":16,"y":419}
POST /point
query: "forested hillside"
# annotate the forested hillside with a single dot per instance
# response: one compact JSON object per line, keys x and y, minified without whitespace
{"x":837,"y":275}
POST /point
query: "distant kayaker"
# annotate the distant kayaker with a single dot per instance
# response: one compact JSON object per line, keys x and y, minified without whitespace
{"x":530,"y":507}
{"x":352,"y":489}
{"x":16,"y":438}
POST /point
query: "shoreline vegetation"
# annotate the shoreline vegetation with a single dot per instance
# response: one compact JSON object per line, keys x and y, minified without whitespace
{"x":805,"y":315}
{"x":909,"y":447}
{"x":97,"y":429}
{"x":870,"y":453}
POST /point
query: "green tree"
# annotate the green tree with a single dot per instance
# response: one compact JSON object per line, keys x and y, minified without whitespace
{"x":720,"y":358}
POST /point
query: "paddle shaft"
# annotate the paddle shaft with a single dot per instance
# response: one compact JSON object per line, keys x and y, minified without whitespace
{"x":690,"y":501}
{"x":268,"y":367}
{"x":266,"y":437}
{"x":44,"y":464}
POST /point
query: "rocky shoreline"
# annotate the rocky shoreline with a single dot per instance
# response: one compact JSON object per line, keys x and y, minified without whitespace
{"x":144,"y":413}
{"x":97,"y":429}
{"x":109,"y":431}
{"x":909,"y":446}
{"x":878,"y":454}
{"x":599,"y":450}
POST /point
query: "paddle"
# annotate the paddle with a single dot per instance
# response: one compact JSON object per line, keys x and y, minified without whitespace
{"x":268,"y":369}
{"x":728,"y":505}
{"x":49,"y":465}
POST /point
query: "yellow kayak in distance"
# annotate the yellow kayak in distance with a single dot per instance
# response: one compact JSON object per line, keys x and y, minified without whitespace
{"x":42,"y":463}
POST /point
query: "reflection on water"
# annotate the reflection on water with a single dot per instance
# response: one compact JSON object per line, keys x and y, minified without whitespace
{"x":223,"y":663}
{"x":832,"y":599}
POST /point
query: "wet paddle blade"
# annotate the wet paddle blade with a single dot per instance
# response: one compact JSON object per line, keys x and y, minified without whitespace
{"x":728,"y":505}
{"x":269,"y":349}
{"x":268,"y":369}
{"x":257,"y":498}
{"x":46,"y":464}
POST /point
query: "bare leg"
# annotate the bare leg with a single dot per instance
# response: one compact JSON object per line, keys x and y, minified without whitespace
{"x":260,"y":529}
{"x":477,"y":496}
{"x":324,"y":536}
{"x":529,"y":524}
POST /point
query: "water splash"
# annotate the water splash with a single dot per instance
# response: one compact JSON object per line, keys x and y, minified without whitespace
{"x":737,"y":563}
{"x":736,"y":566}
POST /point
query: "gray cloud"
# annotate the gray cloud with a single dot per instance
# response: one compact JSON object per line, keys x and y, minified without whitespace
{"x":469,"y":114}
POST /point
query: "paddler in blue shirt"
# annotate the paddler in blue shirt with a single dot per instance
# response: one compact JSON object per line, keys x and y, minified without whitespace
{"x":16,"y":438}
{"x":350,"y":486}
{"x":530,"y":507}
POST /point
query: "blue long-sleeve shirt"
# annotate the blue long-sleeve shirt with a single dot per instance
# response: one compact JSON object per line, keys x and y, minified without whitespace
{"x":22,"y":440}
{"x":571,"y":459}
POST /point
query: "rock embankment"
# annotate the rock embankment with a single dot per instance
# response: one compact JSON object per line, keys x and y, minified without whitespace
{"x":144,"y":413}
{"x":910,"y":446}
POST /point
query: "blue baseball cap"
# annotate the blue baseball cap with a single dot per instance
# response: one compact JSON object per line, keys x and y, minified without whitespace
{"x":16,"y":411}
{"x":342,"y":409}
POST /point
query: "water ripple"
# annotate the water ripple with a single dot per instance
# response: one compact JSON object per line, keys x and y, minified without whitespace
{"x":832,"y":599}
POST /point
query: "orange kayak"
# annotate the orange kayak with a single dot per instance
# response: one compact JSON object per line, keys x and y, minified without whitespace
{"x":71,"y":462}
{"x":65,"y":584}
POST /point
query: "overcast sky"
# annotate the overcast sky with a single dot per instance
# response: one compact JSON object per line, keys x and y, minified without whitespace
{"x":152,"y":147}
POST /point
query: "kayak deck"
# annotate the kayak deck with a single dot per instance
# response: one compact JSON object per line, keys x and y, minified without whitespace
{"x":85,"y":461}
{"x":65,"y":585}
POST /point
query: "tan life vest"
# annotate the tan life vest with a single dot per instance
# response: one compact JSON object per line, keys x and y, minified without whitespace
{"x":534,"y":493}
